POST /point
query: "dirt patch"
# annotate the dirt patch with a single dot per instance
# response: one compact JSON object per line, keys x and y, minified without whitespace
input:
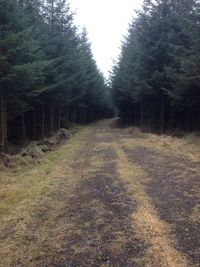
{"x":171,"y":191}
{"x":100,"y":213}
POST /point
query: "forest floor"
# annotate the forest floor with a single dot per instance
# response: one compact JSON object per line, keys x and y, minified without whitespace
{"x":107,"y":197}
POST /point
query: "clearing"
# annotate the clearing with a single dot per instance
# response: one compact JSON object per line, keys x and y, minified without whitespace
{"x":107,"y":197}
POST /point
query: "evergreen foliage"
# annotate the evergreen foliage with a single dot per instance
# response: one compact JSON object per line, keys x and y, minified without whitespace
{"x":156,"y":81}
{"x":48,"y":77}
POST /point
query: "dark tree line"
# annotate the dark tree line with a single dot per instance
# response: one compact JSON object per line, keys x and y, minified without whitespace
{"x":156,"y":82}
{"x":48,"y":77}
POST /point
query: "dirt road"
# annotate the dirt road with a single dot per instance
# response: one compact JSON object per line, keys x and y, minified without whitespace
{"x":116,"y":199}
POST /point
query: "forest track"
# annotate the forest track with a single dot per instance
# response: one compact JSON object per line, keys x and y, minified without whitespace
{"x":172,"y":192}
{"x":112,"y":198}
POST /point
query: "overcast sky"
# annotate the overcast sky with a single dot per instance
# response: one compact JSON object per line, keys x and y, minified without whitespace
{"x":106,"y":22}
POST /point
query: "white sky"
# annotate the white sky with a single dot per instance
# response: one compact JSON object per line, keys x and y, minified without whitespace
{"x":106,"y":22}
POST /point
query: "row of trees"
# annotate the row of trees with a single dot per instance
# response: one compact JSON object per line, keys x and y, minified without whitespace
{"x":48,"y":77}
{"x":156,"y":81}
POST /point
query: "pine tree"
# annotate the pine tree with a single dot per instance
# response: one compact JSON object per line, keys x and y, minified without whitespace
{"x":151,"y":81}
{"x":10,"y":29}
{"x":48,"y":76}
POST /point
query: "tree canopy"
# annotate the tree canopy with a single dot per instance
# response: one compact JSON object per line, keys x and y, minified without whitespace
{"x":48,"y":76}
{"x":156,"y":81}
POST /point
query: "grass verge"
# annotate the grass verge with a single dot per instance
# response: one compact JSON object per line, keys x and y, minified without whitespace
{"x":188,"y":146}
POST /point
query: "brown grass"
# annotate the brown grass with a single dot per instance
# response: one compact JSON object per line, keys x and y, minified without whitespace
{"x":162,"y":251}
{"x":188,"y":146}
{"x":151,"y":229}
{"x":32,"y":226}
{"x":34,"y":207}
{"x":195,"y":216}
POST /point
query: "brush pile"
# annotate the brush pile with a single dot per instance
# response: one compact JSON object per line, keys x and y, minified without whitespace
{"x":33,"y":152}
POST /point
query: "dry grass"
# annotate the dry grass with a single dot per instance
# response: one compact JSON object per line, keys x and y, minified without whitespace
{"x":162,"y":251}
{"x":192,"y":138}
{"x":151,"y":229}
{"x":188,"y":146}
{"x":176,"y":146}
{"x":34,"y":219}
{"x":195,"y":216}
{"x":34,"y":152}
{"x":32,"y":212}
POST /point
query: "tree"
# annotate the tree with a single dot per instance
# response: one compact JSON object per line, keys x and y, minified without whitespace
{"x":156,"y":56}
{"x":48,"y":76}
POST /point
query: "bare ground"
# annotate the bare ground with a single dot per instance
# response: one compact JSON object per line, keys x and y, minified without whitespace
{"x":112,"y":197}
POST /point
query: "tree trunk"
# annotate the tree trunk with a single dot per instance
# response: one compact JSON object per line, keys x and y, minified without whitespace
{"x":129,"y":118}
{"x":81,"y":116}
{"x":162,"y":116}
{"x":51,"y":117}
{"x":74,"y":115}
{"x":67,"y":118}
{"x":34,"y":125}
{"x":194,"y":122}
{"x":5,"y":122}
{"x":171,"y":123}
{"x":141,"y":114}
{"x":43,"y":121}
{"x":2,"y":120}
{"x":84,"y":116}
{"x":59,"y":116}
{"x":23,"y":126}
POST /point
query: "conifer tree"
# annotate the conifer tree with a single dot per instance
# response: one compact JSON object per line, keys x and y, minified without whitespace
{"x":48,"y":76}
{"x":153,"y":82}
